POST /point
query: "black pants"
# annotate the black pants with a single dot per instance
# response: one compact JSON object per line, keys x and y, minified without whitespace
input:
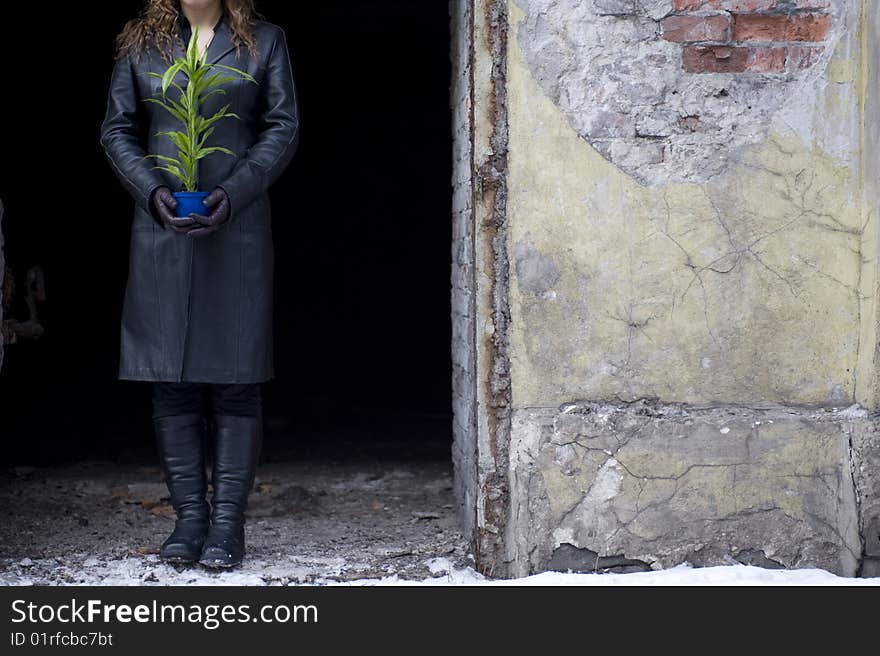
{"x":242,"y":400}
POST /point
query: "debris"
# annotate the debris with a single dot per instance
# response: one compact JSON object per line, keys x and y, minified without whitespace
{"x":143,"y":551}
{"x":148,"y":495}
{"x":159,"y":509}
{"x":298,"y":535}
{"x":119,"y":492}
{"x":400,"y":553}
{"x":147,"y":491}
{"x":24,"y":471}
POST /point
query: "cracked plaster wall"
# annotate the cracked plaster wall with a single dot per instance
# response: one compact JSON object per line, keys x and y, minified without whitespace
{"x":744,"y":288}
{"x":742,"y":294}
{"x":621,"y":84}
{"x":663,"y":484}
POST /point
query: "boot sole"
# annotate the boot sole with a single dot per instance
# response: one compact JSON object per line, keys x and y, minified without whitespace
{"x":177,"y":560}
{"x":218,"y":564}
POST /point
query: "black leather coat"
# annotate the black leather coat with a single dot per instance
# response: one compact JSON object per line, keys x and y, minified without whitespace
{"x":200,"y":309}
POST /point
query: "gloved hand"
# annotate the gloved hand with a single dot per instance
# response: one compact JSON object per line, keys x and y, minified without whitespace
{"x":165,"y":204}
{"x":218,"y":202}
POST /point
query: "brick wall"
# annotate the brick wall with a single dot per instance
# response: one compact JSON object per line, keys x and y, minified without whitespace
{"x":463,"y":329}
{"x":748,"y":36}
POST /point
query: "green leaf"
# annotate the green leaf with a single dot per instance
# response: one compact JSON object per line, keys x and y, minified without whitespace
{"x":181,"y":140}
{"x":237,"y":71}
{"x":179,"y":106}
{"x":193,"y":50}
{"x":162,"y":158}
{"x":203,"y":81}
{"x":204,"y":152}
{"x":179,"y":88}
{"x":222,"y":113}
{"x":173,"y":70}
{"x":174,"y":111}
{"x":173,"y":170}
{"x":210,"y":81}
{"x":211,"y":93}
{"x":203,"y":69}
{"x":217,"y":79}
{"x":192,"y":100}
{"x":205,"y":136}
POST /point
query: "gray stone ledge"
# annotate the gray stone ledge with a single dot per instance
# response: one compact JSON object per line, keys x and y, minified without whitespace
{"x":663,"y":484}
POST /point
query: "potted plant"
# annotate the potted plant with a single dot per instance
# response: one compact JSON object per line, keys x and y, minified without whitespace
{"x":203,"y":81}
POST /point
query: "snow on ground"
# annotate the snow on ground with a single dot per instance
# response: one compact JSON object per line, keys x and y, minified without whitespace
{"x":150,"y":571}
{"x":683,"y":575}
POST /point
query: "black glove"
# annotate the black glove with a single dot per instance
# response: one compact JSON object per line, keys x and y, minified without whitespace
{"x":165,"y":204}
{"x":218,"y":202}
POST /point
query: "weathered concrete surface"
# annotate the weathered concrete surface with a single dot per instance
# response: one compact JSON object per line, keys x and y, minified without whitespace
{"x":745,"y":288}
{"x":642,"y":231}
{"x":868,"y":83}
{"x":866,"y":476}
{"x":491,"y":297}
{"x":622,"y":87}
{"x":646,"y":485}
{"x":463,"y":284}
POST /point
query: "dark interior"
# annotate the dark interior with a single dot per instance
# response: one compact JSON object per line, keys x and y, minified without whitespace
{"x":361,"y":225}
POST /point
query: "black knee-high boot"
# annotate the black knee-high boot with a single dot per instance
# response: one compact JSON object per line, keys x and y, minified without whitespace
{"x":237,"y":444}
{"x":180,"y":439}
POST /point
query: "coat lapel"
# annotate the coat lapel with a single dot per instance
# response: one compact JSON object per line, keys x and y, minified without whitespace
{"x":221,"y":44}
{"x":178,"y":50}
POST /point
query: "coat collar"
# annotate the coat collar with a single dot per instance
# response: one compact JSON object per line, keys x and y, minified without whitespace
{"x":221,"y":45}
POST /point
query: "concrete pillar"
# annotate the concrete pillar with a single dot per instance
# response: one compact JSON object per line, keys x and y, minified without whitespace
{"x":675,"y":284}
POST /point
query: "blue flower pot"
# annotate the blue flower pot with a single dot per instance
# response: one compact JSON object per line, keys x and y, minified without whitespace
{"x":190,"y":202}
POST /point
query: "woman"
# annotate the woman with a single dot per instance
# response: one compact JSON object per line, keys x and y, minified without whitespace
{"x":197,"y":314}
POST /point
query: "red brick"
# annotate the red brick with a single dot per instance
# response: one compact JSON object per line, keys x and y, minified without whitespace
{"x":726,"y":59}
{"x":797,"y":27}
{"x":689,"y":29}
{"x":802,"y":57}
{"x":728,"y":5}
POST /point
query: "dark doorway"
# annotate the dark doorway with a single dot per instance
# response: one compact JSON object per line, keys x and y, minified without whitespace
{"x":361,"y":224}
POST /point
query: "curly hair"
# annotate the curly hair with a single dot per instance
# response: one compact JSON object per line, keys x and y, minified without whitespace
{"x":157,"y":27}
